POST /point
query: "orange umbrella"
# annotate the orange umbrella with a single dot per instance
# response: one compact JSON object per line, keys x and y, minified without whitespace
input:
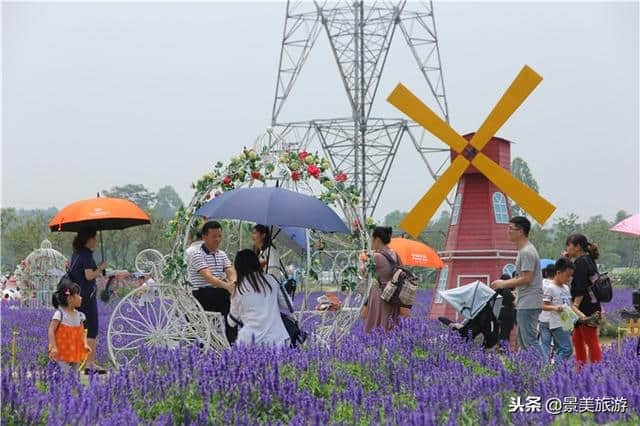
{"x":100,"y":214}
{"x":415,"y":253}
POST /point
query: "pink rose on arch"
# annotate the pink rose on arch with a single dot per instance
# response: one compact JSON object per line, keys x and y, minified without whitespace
{"x":226,"y":180}
{"x":314,"y":171}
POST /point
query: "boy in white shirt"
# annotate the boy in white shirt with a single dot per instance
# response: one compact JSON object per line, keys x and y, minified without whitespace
{"x":555,"y":297}
{"x":543,"y":320}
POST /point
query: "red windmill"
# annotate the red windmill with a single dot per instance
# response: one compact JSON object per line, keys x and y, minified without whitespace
{"x":477,"y":247}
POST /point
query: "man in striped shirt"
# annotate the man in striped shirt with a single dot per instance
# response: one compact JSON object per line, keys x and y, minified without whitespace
{"x":212,"y":277}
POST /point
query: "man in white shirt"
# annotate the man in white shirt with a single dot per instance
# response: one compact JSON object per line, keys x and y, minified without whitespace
{"x":211,"y":275}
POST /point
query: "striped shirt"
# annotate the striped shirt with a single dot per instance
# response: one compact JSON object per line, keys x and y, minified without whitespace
{"x":216,"y":261}
{"x":194,"y":247}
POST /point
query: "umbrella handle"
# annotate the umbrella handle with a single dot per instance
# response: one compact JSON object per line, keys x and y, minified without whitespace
{"x":104,"y":271}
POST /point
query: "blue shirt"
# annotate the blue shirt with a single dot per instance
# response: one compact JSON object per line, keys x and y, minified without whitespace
{"x":81,"y":260}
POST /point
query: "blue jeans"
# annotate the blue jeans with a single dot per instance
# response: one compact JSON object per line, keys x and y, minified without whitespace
{"x":545,"y":339}
{"x":527,"y":329}
{"x":562,"y":342}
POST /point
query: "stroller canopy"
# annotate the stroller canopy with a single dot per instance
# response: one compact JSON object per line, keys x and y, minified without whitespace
{"x":469,"y":299}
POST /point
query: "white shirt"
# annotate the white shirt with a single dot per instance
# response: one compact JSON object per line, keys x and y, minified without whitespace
{"x":216,"y":261}
{"x":557,"y":295}
{"x":191,"y":249}
{"x":274,"y":268}
{"x":259,"y":314}
{"x":74,"y":320}
{"x":544,"y":315}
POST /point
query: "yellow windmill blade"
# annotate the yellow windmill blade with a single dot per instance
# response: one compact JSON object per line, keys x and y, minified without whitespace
{"x":539,"y":208}
{"x":415,"y":221}
{"x":407,"y":102}
{"x":524,"y":83}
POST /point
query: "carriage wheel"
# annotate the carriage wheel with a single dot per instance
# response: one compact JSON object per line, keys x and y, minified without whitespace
{"x":149,"y":261}
{"x":156,"y":316}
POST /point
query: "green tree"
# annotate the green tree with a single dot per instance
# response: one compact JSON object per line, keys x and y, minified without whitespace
{"x":135,"y":193}
{"x":630,"y":278}
{"x":394,"y":218}
{"x":21,"y":235}
{"x":542,"y":239}
{"x":626,"y":247}
{"x":520,"y":169}
{"x":167,"y":202}
{"x":434,"y":234}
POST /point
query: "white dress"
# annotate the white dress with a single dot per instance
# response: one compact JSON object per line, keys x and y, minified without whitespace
{"x":259,"y":314}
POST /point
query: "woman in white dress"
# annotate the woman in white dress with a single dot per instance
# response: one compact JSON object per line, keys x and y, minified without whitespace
{"x":256,"y":304}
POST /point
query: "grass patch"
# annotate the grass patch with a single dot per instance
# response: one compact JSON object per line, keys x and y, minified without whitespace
{"x":182,"y":404}
{"x":419,"y":353}
{"x":477,"y":368}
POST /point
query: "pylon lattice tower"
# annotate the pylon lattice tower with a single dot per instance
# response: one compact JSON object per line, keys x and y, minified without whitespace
{"x":360,"y":36}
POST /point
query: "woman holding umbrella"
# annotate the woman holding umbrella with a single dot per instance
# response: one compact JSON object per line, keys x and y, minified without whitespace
{"x":86,"y":217}
{"x":266,"y":251}
{"x":84,"y":272}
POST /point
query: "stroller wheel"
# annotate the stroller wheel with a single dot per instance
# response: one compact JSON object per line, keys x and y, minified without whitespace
{"x":446,"y":321}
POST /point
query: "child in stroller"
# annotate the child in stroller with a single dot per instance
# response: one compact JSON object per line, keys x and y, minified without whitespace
{"x":480,"y":306}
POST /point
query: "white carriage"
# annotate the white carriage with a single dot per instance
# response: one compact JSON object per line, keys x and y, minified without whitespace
{"x":40,"y":272}
{"x":165,"y":313}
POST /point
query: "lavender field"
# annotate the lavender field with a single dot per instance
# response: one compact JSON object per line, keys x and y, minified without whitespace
{"x":419,"y":374}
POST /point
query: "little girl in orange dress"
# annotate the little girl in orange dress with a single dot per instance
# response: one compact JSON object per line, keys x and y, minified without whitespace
{"x":67,"y":339}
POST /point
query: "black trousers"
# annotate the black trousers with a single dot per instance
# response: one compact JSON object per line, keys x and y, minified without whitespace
{"x":507,"y":320}
{"x":89,"y":307}
{"x":215,"y":299}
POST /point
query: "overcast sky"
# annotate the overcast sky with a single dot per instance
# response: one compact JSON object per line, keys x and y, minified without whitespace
{"x":96,"y":95}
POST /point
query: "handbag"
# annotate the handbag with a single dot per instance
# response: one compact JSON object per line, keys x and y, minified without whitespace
{"x":297,"y":336}
{"x":402,"y":288}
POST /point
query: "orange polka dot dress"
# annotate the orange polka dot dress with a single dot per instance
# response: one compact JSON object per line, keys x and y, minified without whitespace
{"x":70,"y":336}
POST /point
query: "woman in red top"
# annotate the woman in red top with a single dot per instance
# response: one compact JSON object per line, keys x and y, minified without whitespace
{"x":585,"y":333}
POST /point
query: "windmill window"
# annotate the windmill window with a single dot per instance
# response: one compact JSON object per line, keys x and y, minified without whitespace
{"x":442,"y":284}
{"x":456,"y":209}
{"x":500,"y":208}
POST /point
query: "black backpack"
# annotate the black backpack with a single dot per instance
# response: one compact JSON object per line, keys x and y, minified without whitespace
{"x":600,"y":287}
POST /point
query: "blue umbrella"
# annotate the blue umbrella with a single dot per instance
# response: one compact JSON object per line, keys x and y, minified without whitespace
{"x":546,"y":262}
{"x":274,"y":207}
{"x":293,"y":238}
